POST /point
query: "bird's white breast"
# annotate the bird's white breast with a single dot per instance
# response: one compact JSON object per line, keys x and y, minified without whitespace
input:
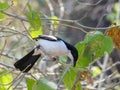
{"x":53,"y":48}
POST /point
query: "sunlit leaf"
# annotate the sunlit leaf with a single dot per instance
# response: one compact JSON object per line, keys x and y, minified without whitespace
{"x":14,"y":2}
{"x":54,"y":20}
{"x":96,"y":71}
{"x":35,"y":33}
{"x":5,"y":79}
{"x":44,"y":84}
{"x":116,"y":7}
{"x":2,"y":16}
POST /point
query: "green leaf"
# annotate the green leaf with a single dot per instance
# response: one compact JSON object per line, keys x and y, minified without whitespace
{"x":111,"y":17}
{"x":63,"y":59}
{"x":3,"y":5}
{"x":35,"y":22}
{"x":94,"y":46}
{"x":81,"y":48}
{"x":35,"y":33}
{"x":54,"y":20}
{"x":96,"y":71}
{"x":5,"y":78}
{"x":2,"y":16}
{"x":116,"y":7}
{"x":92,"y":35}
{"x":30,"y":83}
{"x":83,"y":59}
{"x":98,"y":44}
{"x":34,"y":19}
{"x":44,"y":84}
{"x":69,"y":79}
{"x":29,"y":7}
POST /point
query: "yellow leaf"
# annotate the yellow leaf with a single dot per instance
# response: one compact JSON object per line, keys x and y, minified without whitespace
{"x":55,"y":21}
{"x":14,"y":2}
{"x":35,"y":33}
{"x":96,"y":71}
{"x":5,"y":78}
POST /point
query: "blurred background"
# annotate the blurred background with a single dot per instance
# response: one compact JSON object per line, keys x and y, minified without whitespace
{"x":76,"y":19}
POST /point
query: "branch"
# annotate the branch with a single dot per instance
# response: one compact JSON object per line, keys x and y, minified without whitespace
{"x":14,"y":30}
{"x":90,"y":4}
{"x":6,"y":66}
{"x":61,"y":8}
{"x":52,"y":14}
{"x":118,"y":13}
{"x":13,"y":15}
{"x":62,"y":20}
{"x":106,"y":59}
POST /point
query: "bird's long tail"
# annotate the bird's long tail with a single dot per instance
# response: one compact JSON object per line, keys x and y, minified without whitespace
{"x":27,"y":62}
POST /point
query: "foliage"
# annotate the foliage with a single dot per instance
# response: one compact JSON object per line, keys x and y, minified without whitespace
{"x":113,"y":16}
{"x":3,"y":6}
{"x":54,"y":20}
{"x":30,"y":83}
{"x":95,"y":71}
{"x":35,"y":22}
{"x":94,"y":46}
{"x":42,"y":84}
{"x":70,"y":78}
{"x":5,"y":79}
{"x":114,"y":33}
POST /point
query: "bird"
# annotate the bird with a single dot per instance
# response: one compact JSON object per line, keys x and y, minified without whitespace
{"x":49,"y":45}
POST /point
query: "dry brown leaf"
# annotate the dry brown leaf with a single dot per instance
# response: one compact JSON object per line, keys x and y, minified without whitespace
{"x":82,"y":75}
{"x":114,"y":33}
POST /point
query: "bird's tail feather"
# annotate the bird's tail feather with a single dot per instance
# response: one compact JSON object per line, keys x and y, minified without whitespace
{"x":27,"y":62}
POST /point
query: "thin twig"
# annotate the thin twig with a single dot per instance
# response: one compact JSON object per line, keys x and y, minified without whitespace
{"x":90,"y":4}
{"x":62,"y":20}
{"x":79,"y":28}
{"x":6,"y":66}
{"x":61,"y":78}
{"x":52,"y":14}
{"x":106,"y":59}
{"x":112,"y":86}
{"x":15,"y":30}
{"x":61,"y":9}
{"x":118,"y":13}
{"x":14,"y":15}
{"x":15,"y":79}
{"x":20,"y":79}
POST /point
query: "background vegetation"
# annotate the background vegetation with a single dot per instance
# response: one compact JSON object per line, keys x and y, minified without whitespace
{"x":92,"y":26}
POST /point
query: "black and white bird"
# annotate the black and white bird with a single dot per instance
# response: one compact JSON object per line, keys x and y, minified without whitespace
{"x":52,"y":47}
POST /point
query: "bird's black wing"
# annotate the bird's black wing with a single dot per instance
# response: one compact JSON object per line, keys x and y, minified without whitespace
{"x":72,"y":49}
{"x":27,"y":62}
